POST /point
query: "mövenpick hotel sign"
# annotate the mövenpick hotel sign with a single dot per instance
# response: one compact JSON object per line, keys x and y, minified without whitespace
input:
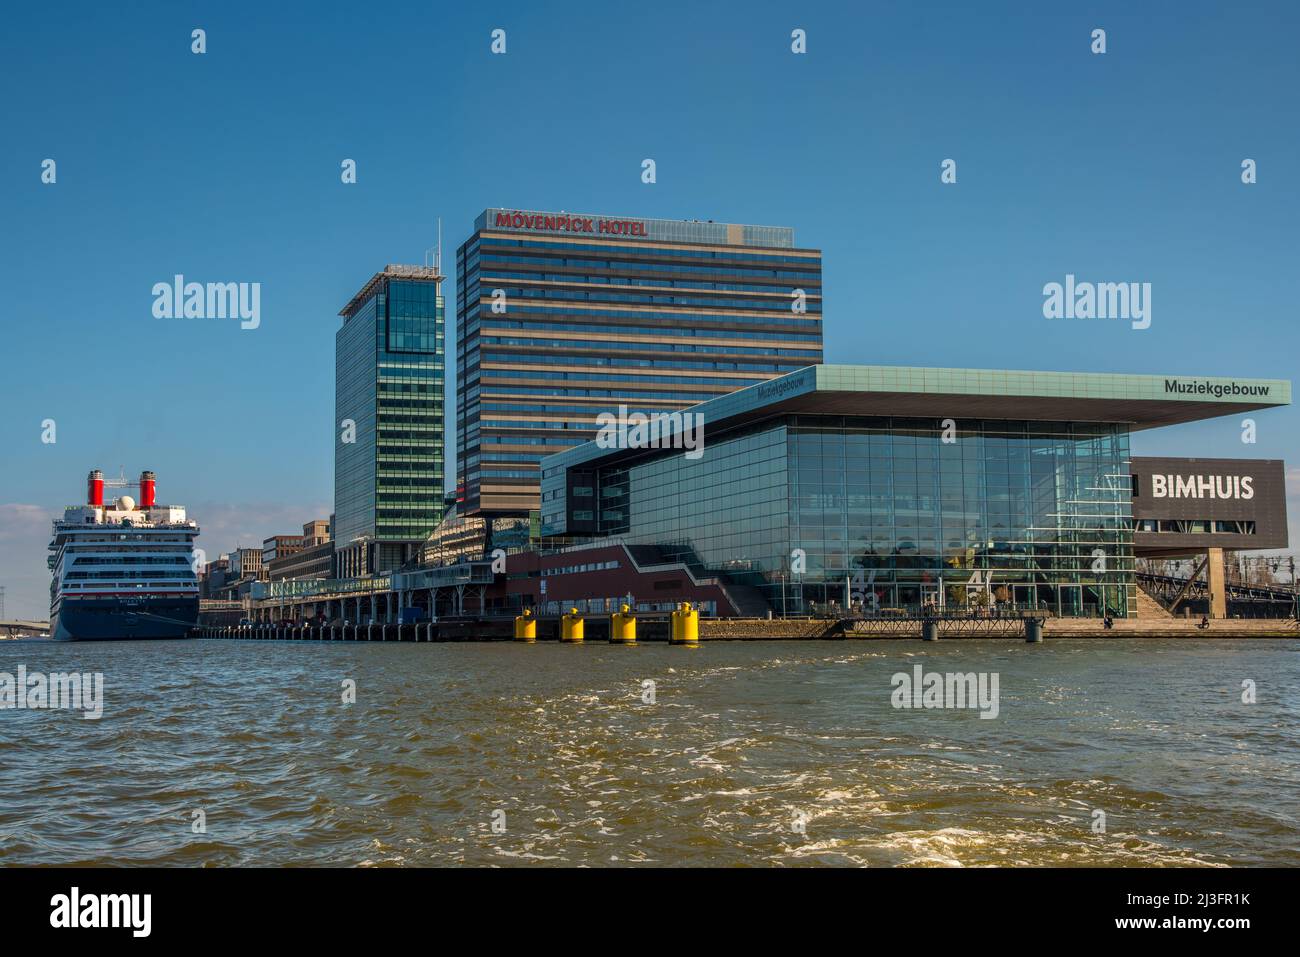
{"x":565,"y":223}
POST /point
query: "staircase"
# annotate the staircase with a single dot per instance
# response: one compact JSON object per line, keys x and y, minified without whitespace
{"x":1148,"y":609}
{"x":749,"y":601}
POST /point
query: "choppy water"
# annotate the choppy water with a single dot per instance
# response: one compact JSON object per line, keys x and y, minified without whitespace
{"x":743,"y":741}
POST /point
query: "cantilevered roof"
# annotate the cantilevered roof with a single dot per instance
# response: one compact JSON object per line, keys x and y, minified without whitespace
{"x":1140,"y":401}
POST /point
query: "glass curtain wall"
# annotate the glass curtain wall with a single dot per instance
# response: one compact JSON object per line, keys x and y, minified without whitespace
{"x":409,"y":412}
{"x":894,"y":513}
{"x":901,"y":513}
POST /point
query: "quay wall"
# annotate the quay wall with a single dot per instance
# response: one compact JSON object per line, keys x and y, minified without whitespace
{"x":762,"y":629}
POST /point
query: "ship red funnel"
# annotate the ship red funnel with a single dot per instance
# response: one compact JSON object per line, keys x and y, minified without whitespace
{"x":146,"y":489}
{"x":95,"y":487}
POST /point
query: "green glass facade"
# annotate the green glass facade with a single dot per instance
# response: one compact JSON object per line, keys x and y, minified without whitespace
{"x":389,"y":381}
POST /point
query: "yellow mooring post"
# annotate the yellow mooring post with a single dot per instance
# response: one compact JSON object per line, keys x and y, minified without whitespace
{"x":686,"y":626}
{"x":622,"y":627}
{"x":571,"y":627}
{"x":526,"y":626}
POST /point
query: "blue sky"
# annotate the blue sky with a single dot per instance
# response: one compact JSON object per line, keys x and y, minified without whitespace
{"x":225,"y":167}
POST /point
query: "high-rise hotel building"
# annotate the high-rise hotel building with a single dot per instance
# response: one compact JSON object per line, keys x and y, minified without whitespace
{"x":562,"y":316}
{"x":388,"y":407}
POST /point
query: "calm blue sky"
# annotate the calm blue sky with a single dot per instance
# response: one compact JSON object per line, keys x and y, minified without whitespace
{"x":225,"y":167}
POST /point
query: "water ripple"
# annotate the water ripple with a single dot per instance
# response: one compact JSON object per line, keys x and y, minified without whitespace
{"x":751,"y":754}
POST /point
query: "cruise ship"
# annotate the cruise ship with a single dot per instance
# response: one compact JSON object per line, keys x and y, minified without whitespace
{"x":122,"y":571}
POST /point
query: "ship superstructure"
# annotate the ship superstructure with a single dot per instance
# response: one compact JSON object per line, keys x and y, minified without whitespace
{"x":123,"y":570}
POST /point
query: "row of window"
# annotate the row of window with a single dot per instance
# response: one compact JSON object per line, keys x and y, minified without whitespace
{"x":586,"y":567}
{"x":488,"y":294}
{"x":491,"y":263}
{"x":695,"y":285}
{"x":638,"y":252}
{"x":809,"y":356}
{"x":706,"y":330}
{"x":1194,"y":527}
{"x":650,"y":378}
{"x":774,"y":319}
{"x":125,"y":575}
{"x":521,"y":364}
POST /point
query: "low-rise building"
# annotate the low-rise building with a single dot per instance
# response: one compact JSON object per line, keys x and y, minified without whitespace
{"x":213,"y":577}
{"x":313,"y":557}
{"x":278,"y":546}
{"x":246,"y":563}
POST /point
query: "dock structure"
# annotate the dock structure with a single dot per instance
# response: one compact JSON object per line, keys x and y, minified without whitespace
{"x":497,"y":628}
{"x":426,"y":595}
{"x":658,"y":628}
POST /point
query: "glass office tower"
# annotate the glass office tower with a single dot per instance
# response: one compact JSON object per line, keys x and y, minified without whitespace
{"x":562,"y":317}
{"x":389,"y":395}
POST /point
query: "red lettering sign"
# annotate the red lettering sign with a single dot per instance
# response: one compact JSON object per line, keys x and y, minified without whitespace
{"x":516,"y":219}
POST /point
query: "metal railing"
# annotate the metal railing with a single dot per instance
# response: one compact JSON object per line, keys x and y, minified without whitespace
{"x":945,"y":624}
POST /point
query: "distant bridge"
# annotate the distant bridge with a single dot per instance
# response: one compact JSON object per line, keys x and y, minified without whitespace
{"x":18,"y":628}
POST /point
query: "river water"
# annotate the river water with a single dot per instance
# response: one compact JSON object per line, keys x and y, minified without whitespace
{"x":739,"y":753}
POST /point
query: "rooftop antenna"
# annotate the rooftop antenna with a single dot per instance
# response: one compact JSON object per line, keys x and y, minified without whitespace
{"x":436,"y":250}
